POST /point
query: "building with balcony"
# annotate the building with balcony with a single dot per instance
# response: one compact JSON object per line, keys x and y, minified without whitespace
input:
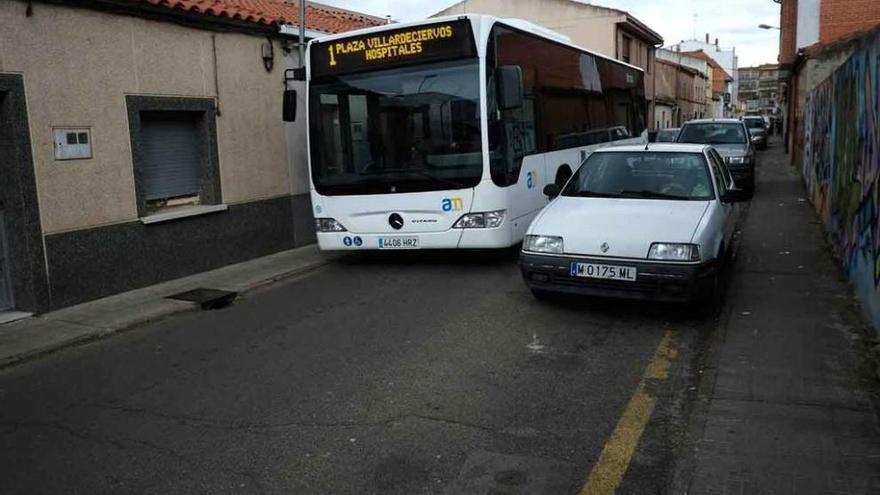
{"x":683,"y":89}
{"x":724,"y":58}
{"x":758,"y":90}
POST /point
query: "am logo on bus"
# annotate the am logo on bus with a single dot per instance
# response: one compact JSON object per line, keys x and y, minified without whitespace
{"x":452,"y":204}
{"x":531,"y":179}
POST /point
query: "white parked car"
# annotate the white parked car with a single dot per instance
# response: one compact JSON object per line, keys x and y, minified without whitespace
{"x":649,"y":223}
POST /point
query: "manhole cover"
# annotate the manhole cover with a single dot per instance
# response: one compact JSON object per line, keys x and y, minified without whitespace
{"x":207,"y":298}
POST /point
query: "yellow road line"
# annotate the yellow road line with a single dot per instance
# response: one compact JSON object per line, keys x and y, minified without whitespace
{"x":608,"y":471}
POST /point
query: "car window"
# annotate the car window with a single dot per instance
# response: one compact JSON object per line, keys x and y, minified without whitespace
{"x":717,"y":175}
{"x":713,"y":133}
{"x":754,"y":123}
{"x":643,"y":175}
{"x":725,"y":176}
{"x":666,"y":135}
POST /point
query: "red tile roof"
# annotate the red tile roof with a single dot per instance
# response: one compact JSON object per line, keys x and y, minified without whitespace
{"x":319,"y":17}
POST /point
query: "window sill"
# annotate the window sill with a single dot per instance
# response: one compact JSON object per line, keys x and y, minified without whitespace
{"x":183,"y":213}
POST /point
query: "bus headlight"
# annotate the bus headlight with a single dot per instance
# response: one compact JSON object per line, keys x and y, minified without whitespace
{"x":328,"y":225}
{"x":543,"y":244}
{"x":483,"y":220}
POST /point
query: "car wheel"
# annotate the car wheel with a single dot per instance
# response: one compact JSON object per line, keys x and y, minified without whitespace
{"x":541,"y":294}
{"x":708,"y":299}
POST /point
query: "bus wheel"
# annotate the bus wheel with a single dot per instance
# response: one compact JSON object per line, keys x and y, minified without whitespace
{"x":562,"y":175}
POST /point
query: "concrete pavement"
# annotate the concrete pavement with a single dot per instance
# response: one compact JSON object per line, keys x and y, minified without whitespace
{"x":28,"y":338}
{"x":433,"y":373}
{"x":439,"y":373}
{"x":785,"y":405}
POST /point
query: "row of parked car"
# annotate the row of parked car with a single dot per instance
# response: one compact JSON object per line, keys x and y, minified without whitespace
{"x":651,"y":221}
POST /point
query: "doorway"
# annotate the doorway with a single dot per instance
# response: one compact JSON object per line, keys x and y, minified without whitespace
{"x":6,"y":301}
{"x":23,"y":278}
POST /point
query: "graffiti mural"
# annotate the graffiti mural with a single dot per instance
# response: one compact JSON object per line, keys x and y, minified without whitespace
{"x":841,"y":165}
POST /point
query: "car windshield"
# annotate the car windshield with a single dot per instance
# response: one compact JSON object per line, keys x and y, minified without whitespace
{"x":713,"y":133}
{"x":643,"y":175}
{"x":666,"y":135}
{"x":401,"y":130}
{"x":754,"y":123}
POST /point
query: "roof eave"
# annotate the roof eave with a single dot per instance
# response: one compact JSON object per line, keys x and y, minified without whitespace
{"x":639,"y":28}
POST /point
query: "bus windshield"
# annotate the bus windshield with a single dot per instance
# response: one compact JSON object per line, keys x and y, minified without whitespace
{"x":408,"y":129}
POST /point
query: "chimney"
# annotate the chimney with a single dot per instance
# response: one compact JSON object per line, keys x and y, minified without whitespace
{"x":707,"y":38}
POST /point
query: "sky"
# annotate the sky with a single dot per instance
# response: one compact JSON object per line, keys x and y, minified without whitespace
{"x":733,"y":22}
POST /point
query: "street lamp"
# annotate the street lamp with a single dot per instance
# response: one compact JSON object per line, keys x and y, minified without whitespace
{"x":767,"y":26}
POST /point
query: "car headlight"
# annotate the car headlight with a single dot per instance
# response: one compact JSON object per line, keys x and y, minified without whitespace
{"x":329,"y":225}
{"x":543,"y":244}
{"x":736,"y":160}
{"x":668,"y":251}
{"x":482,"y":220}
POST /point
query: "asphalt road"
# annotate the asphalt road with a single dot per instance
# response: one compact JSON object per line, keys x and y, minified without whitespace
{"x":429,"y":373}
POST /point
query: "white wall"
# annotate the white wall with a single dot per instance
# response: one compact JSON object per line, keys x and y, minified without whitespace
{"x":807,"y":23}
{"x":726,"y":58}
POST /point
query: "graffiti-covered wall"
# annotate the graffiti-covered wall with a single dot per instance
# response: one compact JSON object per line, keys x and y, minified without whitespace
{"x":841,"y":165}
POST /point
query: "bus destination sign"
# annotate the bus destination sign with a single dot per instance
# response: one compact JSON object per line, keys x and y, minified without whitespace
{"x":429,"y":42}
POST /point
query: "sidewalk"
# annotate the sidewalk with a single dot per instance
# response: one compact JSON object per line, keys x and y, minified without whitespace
{"x":25,"y":339}
{"x":785,"y":403}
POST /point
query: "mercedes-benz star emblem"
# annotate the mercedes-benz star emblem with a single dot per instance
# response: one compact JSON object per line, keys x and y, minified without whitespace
{"x":395,"y":221}
{"x":604,"y":247}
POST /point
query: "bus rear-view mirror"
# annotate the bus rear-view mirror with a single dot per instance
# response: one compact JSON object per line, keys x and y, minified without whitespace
{"x":510,"y":87}
{"x":552,"y":190}
{"x":289,"y":105}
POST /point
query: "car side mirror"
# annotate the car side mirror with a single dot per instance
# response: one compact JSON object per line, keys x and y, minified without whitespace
{"x":552,"y":190}
{"x":289,"y":104}
{"x":734,"y":195}
{"x":509,"y":87}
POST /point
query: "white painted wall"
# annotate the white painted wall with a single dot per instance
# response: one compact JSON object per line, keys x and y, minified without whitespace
{"x":807,"y":22}
{"x":726,"y":58}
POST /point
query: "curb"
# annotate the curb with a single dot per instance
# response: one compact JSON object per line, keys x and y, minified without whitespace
{"x":169,"y":308}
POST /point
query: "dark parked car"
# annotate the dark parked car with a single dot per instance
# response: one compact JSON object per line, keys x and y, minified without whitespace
{"x":731,"y":139}
{"x":667,"y":135}
{"x":758,"y":131}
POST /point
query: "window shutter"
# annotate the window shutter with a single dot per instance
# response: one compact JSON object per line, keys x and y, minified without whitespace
{"x":172,"y":161}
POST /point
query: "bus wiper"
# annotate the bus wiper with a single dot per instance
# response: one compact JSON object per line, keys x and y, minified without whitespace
{"x":448,"y":182}
{"x":651,"y":194}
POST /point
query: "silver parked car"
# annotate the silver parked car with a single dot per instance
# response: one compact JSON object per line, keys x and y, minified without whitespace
{"x":758,"y":130}
{"x":667,"y":135}
{"x":651,"y":222}
{"x":731,"y":139}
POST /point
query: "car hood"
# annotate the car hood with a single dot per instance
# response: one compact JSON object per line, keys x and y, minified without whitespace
{"x":726,"y":150}
{"x":627,"y":226}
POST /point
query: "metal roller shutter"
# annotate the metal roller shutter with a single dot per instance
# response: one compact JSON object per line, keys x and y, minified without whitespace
{"x":172,"y":160}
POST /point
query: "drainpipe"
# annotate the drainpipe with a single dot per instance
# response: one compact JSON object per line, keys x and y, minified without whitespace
{"x":302,"y":33}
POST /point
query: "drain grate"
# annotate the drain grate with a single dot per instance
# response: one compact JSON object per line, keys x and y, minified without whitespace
{"x":207,"y":298}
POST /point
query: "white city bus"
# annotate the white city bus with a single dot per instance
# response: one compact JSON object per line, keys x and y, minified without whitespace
{"x":443,"y":133}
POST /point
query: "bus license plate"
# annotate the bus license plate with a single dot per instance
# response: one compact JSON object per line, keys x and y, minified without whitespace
{"x":398,"y":243}
{"x":607,"y":272}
